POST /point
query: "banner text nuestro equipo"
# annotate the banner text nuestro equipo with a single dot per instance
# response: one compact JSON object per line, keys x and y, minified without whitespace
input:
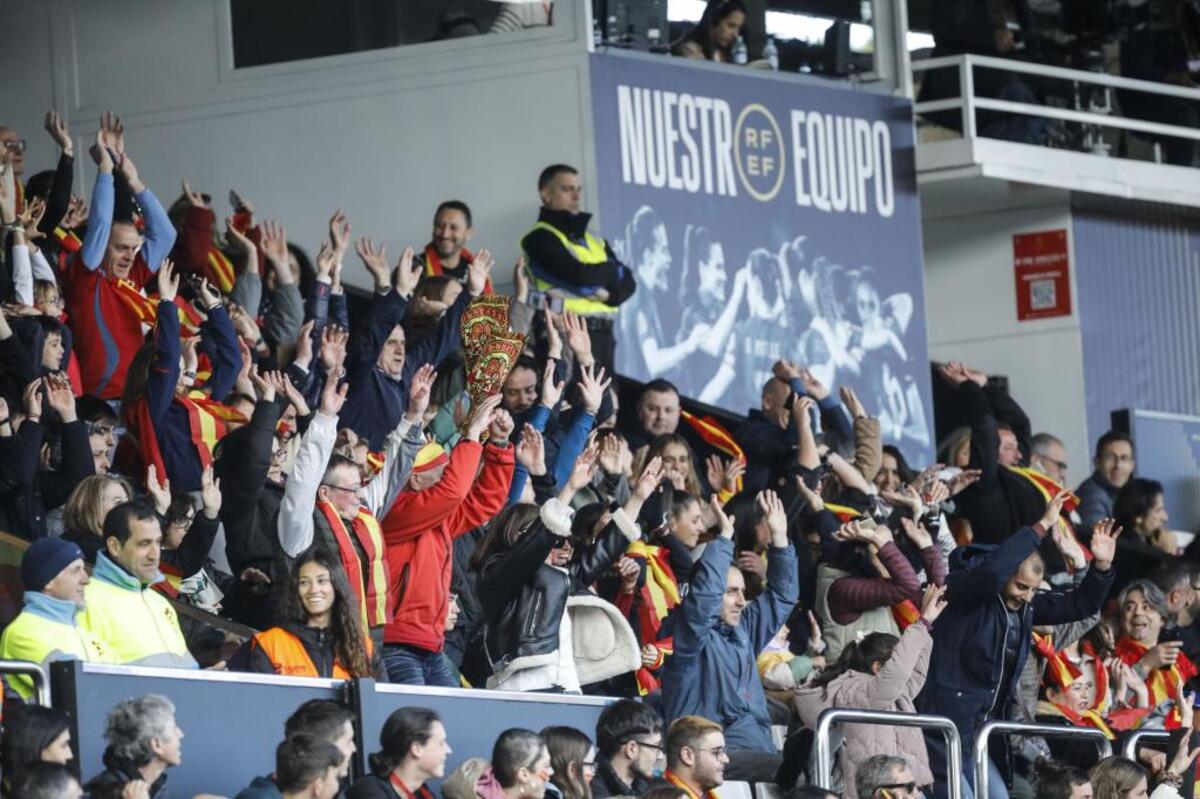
{"x":693,"y":143}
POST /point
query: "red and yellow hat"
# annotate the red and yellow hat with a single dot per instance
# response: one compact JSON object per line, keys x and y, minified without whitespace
{"x":429,"y":457}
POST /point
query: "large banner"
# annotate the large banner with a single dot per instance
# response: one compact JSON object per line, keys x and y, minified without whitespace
{"x":765,"y":220}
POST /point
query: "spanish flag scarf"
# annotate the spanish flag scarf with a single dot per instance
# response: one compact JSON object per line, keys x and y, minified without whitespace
{"x":659,"y":595}
{"x":1162,"y":683}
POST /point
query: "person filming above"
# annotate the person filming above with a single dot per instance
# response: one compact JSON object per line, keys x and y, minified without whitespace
{"x":717,"y":32}
{"x":570,"y":267}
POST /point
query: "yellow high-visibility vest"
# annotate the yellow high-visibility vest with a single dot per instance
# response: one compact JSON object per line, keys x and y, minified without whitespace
{"x":592,"y":251}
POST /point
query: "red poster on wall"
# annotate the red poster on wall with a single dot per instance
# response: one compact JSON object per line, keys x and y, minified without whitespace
{"x":1043,"y":272}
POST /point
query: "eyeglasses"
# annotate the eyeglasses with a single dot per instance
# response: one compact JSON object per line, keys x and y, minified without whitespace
{"x":589,"y":767}
{"x":716,"y":751}
{"x":353,"y":490}
{"x":16,"y":145}
{"x":1060,"y":465}
{"x":655,"y":747}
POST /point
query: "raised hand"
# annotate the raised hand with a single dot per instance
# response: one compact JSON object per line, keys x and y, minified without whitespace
{"x":100,"y":153}
{"x":273,"y":242}
{"x":481,"y":417}
{"x":325,"y":258}
{"x":852,"y":403}
{"x":114,"y":131}
{"x":374,"y":258}
{"x":816,"y":641}
{"x":478,"y":272}
{"x":815,"y":503}
{"x":610,"y":455}
{"x":333,"y":396}
{"x":304,"y":344}
{"x":296,"y":398}
{"x":60,"y":396}
{"x":724,"y":521}
{"x":30,"y":217}
{"x":191,"y":359}
{"x":168,"y":281}
{"x":648,"y":480}
{"x":906,"y":497}
{"x":812,"y":386}
{"x":581,"y":472}
{"x":551,"y":392}
{"x":210,"y":298}
{"x":333,"y":348}
{"x":419,"y":389}
{"x":339,"y":233}
{"x":953,"y":373}
{"x":592,"y":387}
{"x":785,"y":370}
{"x":1054,"y":510}
{"x":58,"y":131}
{"x":554,"y":342}
{"x":32,"y":400}
{"x":772,"y":507}
{"x":210,"y":492}
{"x":407,"y":275}
{"x":802,"y":412}
{"x":263,"y":387}
{"x":963,"y":480}
{"x":500,"y":428}
{"x":531,"y":452}
{"x":129,"y":171}
{"x":751,"y":562}
{"x":160,"y":492}
{"x":520,"y":280}
{"x":628,"y":570}
{"x":77,"y":213}
{"x":916,"y":533}
{"x":933,"y":602}
{"x":1104,"y":543}
{"x":578,"y":338}
{"x":194,"y":198}
{"x":242,"y":243}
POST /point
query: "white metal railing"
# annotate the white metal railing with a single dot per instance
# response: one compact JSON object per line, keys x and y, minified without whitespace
{"x":980,"y":749}
{"x":968,"y":103}
{"x":836,"y":715}
{"x":41,"y":685}
{"x":1135,"y":739}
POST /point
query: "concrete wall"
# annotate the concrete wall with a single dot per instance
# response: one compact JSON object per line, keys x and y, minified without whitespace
{"x":970,"y":292}
{"x":384,"y":134}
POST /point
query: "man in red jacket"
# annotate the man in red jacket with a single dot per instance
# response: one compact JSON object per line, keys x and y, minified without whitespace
{"x":438,"y":505}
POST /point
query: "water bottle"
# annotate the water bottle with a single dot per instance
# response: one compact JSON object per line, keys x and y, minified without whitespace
{"x":739,"y":52}
{"x":597,"y":35}
{"x":771,"y":53}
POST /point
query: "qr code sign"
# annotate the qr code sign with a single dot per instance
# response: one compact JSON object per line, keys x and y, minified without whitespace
{"x":1043,"y":295}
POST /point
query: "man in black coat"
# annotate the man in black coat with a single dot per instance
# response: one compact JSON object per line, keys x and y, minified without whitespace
{"x":981,"y":641}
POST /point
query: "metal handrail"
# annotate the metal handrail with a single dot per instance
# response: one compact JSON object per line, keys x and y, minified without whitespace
{"x":41,"y":684}
{"x":834,"y":715}
{"x":980,"y":749}
{"x":968,"y":103}
{"x":1136,"y":738}
{"x":1063,"y":73}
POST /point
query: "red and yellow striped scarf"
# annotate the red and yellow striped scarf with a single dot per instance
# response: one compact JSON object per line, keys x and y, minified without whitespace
{"x":678,"y":782}
{"x":659,"y":595}
{"x":1160,"y":682}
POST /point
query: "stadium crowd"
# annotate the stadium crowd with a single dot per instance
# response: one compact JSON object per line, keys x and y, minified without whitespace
{"x":434,"y":485}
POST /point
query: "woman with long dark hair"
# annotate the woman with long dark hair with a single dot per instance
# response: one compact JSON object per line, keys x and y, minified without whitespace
{"x":716,"y":33}
{"x":33,"y":734}
{"x":708,"y":313}
{"x":413,"y":751}
{"x":322,"y":634}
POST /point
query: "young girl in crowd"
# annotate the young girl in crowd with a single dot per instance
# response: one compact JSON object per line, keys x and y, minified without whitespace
{"x":573,"y":759}
{"x":880,"y":672}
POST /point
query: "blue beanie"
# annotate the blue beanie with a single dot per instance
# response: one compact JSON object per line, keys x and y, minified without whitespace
{"x":44,"y":559}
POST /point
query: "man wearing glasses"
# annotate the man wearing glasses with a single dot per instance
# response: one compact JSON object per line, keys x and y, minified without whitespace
{"x":696,"y":756}
{"x":629,"y":745}
{"x":886,"y":777}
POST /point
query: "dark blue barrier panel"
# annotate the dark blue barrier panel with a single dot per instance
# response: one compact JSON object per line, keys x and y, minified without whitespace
{"x":232,"y":722}
{"x":473,"y":718}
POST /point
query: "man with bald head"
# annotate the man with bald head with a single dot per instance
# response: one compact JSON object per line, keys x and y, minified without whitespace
{"x":982,"y":640}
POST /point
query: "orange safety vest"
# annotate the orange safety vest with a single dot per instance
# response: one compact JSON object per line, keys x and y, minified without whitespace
{"x":289,"y":658}
{"x":370,"y":588}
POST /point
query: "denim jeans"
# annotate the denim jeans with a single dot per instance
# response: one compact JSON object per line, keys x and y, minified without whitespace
{"x":412,"y":666}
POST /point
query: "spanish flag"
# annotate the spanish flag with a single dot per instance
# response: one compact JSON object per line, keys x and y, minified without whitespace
{"x":1048,"y":488}
{"x":659,"y":595}
{"x":844,"y":512}
{"x":224,"y":275}
{"x":717,"y":437}
{"x":906,"y":613}
{"x":67,"y":240}
{"x":375,"y":461}
{"x":142,"y":306}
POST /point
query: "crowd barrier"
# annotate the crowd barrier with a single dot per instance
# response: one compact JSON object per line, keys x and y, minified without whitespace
{"x":824,"y":775}
{"x":1140,"y":737}
{"x":232,"y":722}
{"x":41,"y":686}
{"x":1006,"y":728}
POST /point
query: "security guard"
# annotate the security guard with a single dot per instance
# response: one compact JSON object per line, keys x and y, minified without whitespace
{"x":133,"y":622}
{"x":54,"y":577}
{"x":570,"y":269}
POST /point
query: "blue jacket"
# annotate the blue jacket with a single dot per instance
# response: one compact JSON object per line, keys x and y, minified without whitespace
{"x":712,"y":673}
{"x":376,"y":401}
{"x":967,"y":665}
{"x":1096,"y":497}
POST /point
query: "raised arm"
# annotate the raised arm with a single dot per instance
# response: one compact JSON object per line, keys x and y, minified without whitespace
{"x":401,"y":446}
{"x":701,"y":609}
{"x":850,"y":596}
{"x":95,"y":240}
{"x":164,"y":369}
{"x":160,"y":233}
{"x":300,"y":495}
{"x":220,"y":335}
{"x":765,"y":615}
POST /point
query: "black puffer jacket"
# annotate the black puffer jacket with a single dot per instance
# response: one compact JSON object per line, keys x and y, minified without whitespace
{"x":119,"y":772}
{"x":524,"y":598}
